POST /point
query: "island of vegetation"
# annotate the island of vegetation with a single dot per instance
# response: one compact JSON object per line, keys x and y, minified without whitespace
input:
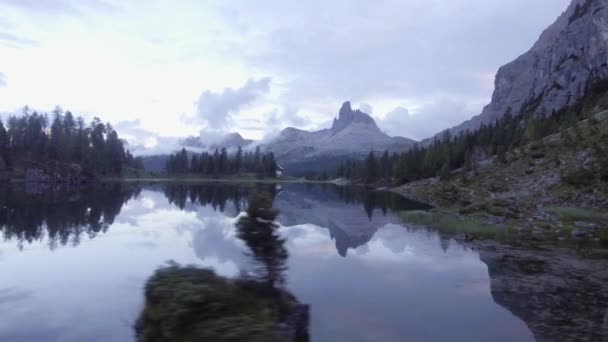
{"x":186,"y":303}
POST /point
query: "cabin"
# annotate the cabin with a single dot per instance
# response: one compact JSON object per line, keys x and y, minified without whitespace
{"x":279,"y":171}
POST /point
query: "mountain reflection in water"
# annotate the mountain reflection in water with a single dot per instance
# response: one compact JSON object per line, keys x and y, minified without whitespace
{"x":367,"y":275}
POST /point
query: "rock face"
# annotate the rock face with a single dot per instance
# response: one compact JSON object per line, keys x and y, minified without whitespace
{"x":348,"y":117}
{"x":569,"y":59}
{"x":352,"y":135}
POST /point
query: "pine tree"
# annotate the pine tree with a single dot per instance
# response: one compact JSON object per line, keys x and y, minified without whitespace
{"x":371,"y":168}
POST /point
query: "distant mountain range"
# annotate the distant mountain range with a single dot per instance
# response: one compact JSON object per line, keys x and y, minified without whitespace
{"x":230,"y":141}
{"x":352,"y":135}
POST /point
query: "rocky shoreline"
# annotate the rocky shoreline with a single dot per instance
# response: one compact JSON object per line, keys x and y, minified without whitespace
{"x":550,"y":189}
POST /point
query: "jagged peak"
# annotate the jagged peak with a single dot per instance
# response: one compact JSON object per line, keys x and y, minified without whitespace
{"x":348,"y":116}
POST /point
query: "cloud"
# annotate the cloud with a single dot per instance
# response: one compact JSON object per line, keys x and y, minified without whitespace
{"x":414,"y":48}
{"x":392,"y":51}
{"x":366,"y":108}
{"x":66,"y":7}
{"x":287,"y":117}
{"x":141,"y":141}
{"x":216,"y":110}
{"x":427,"y":120}
{"x":316,"y":54}
{"x":2,"y":80}
{"x":11,"y":40}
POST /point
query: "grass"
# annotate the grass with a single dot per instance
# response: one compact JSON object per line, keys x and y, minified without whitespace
{"x":578,"y":214}
{"x":452,"y":224}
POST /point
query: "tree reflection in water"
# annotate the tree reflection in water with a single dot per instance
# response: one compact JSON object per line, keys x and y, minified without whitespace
{"x":259,"y":230}
{"x":62,"y":218}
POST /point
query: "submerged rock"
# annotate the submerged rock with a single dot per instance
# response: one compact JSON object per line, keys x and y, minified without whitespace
{"x":579,"y":234}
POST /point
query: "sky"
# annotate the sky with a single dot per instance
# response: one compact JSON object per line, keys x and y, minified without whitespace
{"x":161,"y":70}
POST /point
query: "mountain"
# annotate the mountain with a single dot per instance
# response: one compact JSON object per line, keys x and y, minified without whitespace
{"x":569,"y":60}
{"x":352,"y":135}
{"x":155,"y":163}
{"x":229,"y":141}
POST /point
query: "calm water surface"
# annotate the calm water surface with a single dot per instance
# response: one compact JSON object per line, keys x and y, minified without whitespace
{"x":73,"y":269}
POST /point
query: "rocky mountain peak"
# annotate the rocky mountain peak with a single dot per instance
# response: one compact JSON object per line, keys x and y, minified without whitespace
{"x":347,"y":116}
{"x":569,"y":59}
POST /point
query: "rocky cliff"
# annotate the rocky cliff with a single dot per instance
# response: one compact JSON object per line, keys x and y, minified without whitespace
{"x":569,"y":59}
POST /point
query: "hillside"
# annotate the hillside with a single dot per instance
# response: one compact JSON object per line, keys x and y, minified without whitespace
{"x":557,"y":185}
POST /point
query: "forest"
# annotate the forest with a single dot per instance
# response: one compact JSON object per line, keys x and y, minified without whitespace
{"x":33,"y":137}
{"x":221,"y":163}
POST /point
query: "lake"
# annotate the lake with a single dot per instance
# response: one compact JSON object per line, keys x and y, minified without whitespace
{"x":72,"y":267}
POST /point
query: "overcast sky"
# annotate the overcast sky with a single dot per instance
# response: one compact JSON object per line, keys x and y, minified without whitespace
{"x":162,"y":69}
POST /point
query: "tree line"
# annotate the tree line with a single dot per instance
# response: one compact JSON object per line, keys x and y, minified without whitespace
{"x":450,"y":152}
{"x":95,"y":146}
{"x":221,"y":163}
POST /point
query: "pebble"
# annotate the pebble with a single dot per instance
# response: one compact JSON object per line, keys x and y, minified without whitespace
{"x":579,"y":234}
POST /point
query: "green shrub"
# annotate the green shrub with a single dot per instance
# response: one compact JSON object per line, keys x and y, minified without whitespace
{"x":577,"y":214}
{"x":578,"y":177}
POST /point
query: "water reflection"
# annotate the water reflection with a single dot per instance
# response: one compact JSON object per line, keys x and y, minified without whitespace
{"x":352,"y":215}
{"x":259,"y":231}
{"x":367,"y":275}
{"x":61,"y":218}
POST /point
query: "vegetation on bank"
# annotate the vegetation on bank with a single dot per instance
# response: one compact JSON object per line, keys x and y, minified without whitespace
{"x":33,"y":140}
{"x":452,"y":224}
{"x":551,"y":182}
{"x":578,"y":214}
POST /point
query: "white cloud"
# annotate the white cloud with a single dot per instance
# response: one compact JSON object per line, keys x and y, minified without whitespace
{"x":366,"y":108}
{"x":216,"y":110}
{"x":141,"y":141}
{"x":427,"y":120}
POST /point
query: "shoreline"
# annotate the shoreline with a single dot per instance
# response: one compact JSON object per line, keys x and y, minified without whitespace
{"x":208,"y":180}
